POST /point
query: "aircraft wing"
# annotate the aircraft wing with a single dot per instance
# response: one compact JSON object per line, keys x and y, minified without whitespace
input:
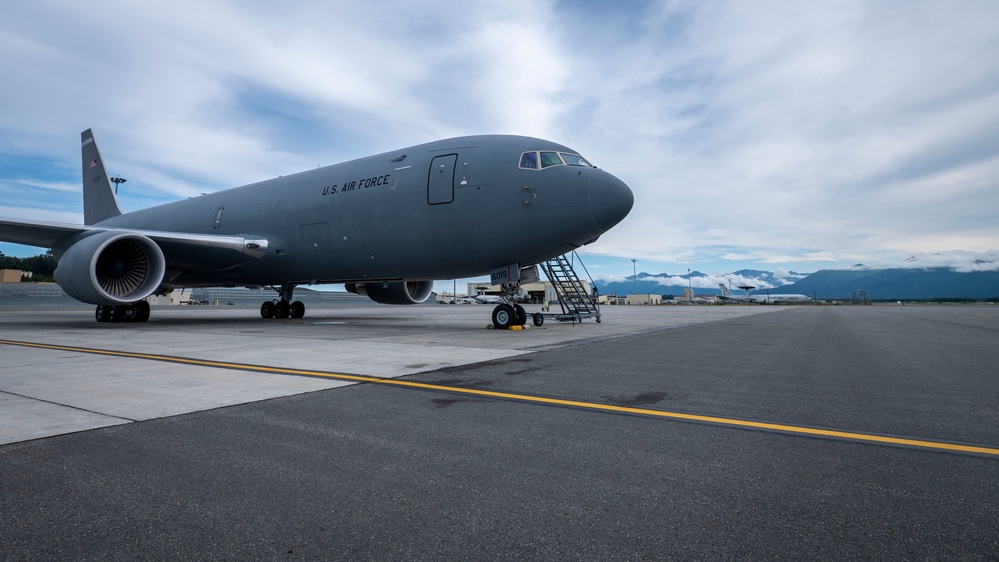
{"x":49,"y":234}
{"x":37,"y":233}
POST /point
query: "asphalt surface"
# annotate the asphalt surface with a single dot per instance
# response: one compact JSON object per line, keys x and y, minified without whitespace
{"x":66,"y":373}
{"x":375,"y":471}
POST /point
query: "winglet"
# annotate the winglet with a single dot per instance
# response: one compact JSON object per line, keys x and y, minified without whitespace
{"x":99,"y":200}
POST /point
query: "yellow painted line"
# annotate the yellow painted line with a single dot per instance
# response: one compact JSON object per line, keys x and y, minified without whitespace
{"x":597,"y":406}
{"x":197,"y":362}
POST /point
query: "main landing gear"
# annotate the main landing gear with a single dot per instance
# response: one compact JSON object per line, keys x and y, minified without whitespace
{"x":506,"y":315}
{"x":283,"y":308}
{"x":135,"y":312}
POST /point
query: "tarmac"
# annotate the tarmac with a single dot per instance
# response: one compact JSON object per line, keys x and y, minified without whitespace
{"x":369,"y":432}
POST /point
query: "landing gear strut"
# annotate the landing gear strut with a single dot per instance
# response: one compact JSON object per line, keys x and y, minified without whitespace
{"x":282,"y":308}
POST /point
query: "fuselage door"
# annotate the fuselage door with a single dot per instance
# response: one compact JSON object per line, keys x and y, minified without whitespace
{"x":440,"y":182}
{"x":317,"y":249}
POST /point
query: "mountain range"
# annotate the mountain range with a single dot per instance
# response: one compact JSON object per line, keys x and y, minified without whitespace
{"x":879,"y":284}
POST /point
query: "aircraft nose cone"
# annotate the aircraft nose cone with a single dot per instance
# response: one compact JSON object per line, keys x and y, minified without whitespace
{"x":610,"y":200}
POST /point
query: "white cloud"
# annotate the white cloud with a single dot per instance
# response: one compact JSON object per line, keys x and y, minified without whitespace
{"x":33,"y":213}
{"x":49,"y":185}
{"x":806,"y":114}
{"x":959,"y":261}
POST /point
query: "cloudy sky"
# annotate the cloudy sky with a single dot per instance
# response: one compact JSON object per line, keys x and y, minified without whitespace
{"x":778,"y":135}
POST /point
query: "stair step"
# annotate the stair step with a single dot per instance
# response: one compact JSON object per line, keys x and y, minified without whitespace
{"x":572,"y":294}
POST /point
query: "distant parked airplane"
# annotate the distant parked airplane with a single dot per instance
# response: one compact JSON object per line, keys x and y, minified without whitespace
{"x":386,"y":226}
{"x":727,"y":295}
{"x":519,"y":296}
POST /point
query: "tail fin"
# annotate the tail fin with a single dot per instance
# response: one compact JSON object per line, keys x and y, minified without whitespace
{"x":99,"y":200}
{"x":725,"y":292}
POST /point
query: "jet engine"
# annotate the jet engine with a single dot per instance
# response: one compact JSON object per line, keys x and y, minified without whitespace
{"x":393,"y":292}
{"x":111,"y":268}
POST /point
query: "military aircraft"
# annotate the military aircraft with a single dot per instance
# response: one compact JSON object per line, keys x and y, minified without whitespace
{"x":386,"y":226}
{"x":520,"y":296}
{"x":728,"y":296}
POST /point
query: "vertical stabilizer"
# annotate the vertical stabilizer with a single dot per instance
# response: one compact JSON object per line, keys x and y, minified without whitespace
{"x":99,"y":201}
{"x":725,"y":292}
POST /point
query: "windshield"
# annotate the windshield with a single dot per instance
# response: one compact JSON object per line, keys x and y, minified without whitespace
{"x":575,"y":160}
{"x":550,"y":159}
{"x":538,"y":159}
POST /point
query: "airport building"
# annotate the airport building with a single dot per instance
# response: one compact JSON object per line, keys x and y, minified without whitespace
{"x":52,"y":294}
{"x":648,"y":299}
{"x":11,"y":275}
{"x":47,"y":294}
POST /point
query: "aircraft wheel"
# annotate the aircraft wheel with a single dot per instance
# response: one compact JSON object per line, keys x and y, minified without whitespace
{"x":598,"y":319}
{"x":282,"y":309}
{"x":503,"y":316}
{"x":521,"y":314}
{"x":539,"y":319}
{"x":141,"y":311}
{"x":116,"y":314}
{"x":267,"y":310}
{"x":297,"y":309}
{"x":102,"y":313}
{"x":131,"y":313}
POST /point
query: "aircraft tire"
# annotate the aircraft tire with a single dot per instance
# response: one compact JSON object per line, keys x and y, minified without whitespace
{"x":102,"y":313}
{"x":521,"y":314}
{"x":131,"y":313}
{"x":282,"y":309}
{"x":539,"y":319}
{"x":141,"y":311}
{"x":116,"y":314}
{"x":503,"y":316}
{"x":297,"y":309}
{"x":267,"y":310}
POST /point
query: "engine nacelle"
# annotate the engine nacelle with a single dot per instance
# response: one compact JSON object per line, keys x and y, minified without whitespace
{"x":393,"y":292}
{"x":111,"y":268}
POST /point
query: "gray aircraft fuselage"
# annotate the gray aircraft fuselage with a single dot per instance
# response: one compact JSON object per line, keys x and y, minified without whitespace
{"x":386,"y":226}
{"x":447,"y":209}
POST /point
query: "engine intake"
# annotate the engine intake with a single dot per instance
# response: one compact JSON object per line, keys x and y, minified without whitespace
{"x":393,"y":292}
{"x":111,"y":268}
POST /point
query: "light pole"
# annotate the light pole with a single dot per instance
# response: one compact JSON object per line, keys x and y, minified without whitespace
{"x":634,"y":269}
{"x":690,"y":288}
{"x":116,"y":181}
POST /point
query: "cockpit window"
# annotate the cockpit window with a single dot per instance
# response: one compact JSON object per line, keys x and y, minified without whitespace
{"x":550,"y":159}
{"x":575,"y":160}
{"x":535,"y":160}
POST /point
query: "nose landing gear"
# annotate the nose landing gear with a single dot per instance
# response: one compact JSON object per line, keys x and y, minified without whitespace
{"x":505,"y":315}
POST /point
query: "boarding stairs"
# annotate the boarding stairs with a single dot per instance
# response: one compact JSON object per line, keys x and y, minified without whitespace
{"x":575,"y":301}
